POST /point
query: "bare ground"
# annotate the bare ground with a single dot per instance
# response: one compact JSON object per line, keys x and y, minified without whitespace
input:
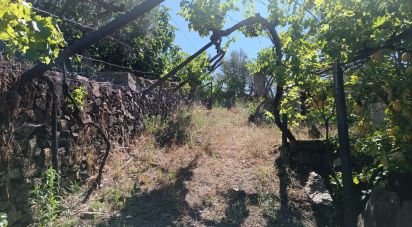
{"x":228,"y":174}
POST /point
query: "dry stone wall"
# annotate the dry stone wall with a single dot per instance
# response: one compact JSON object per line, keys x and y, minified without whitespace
{"x":25,"y":133}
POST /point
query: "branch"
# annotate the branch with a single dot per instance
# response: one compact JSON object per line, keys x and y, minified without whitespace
{"x":257,"y":19}
{"x":216,"y":39}
{"x":177,"y":68}
{"x":365,"y":53}
{"x":107,"y":6}
{"x":91,"y":39}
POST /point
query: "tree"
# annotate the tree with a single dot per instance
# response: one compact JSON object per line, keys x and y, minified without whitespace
{"x":235,"y":75}
{"x":320,"y":33}
{"x":144,"y":44}
{"x":193,"y":75}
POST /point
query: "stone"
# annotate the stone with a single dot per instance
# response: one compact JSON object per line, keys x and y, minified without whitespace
{"x":404,"y":217}
{"x":40,"y":104}
{"x":377,"y":113}
{"x":32,"y":144}
{"x":316,"y":190}
{"x":95,"y":89}
{"x":15,"y":174}
{"x":13,"y":215}
{"x":37,"y":152}
{"x":98,"y":101}
{"x":376,"y":210}
{"x":63,"y":124}
{"x":26,"y":130}
{"x":119,"y":78}
{"x":4,"y":205}
{"x":62,"y":151}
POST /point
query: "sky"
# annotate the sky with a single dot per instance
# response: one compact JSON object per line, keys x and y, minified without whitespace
{"x":190,"y":41}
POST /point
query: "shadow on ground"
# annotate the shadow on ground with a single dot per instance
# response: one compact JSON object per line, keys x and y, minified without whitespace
{"x":236,"y":211}
{"x":286,"y":214}
{"x":167,"y":206}
{"x":161,"y":207}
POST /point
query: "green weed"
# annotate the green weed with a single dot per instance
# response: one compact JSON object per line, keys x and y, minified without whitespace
{"x":79,"y":95}
{"x":96,"y":206}
{"x":113,"y":196}
{"x":46,"y":200}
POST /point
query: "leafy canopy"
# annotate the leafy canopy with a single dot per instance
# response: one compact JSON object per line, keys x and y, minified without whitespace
{"x":22,"y":30}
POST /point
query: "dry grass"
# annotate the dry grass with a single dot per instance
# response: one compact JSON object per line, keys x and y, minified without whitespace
{"x":234,"y":164}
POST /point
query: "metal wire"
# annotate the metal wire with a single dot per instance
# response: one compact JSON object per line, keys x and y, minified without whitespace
{"x":117,"y":66}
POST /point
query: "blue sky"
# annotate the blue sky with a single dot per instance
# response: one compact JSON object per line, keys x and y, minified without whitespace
{"x":190,"y":41}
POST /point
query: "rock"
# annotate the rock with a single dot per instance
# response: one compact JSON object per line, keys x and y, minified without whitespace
{"x":32,"y":144}
{"x":4,"y":205}
{"x":95,"y":89}
{"x":26,"y":130}
{"x":13,"y":215}
{"x":319,"y":195}
{"x":40,"y":104}
{"x":37,"y":152}
{"x":404,"y":217}
{"x":376,"y":211}
{"x":63,"y":124}
{"x":15,"y":174}
{"x":120,"y":78}
{"x":87,"y":215}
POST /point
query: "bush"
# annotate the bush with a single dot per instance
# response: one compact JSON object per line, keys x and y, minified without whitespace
{"x":172,"y":130}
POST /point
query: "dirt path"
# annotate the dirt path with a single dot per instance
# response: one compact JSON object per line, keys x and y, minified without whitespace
{"x":227,"y":176}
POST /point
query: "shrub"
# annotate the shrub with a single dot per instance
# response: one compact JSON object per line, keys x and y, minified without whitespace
{"x":172,"y":130}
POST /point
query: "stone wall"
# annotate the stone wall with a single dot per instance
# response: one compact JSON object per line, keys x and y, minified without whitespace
{"x":25,"y":133}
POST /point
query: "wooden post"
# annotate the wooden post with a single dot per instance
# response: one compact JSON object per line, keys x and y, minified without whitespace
{"x":348,"y":199}
{"x":211,"y":96}
{"x":54,"y":137}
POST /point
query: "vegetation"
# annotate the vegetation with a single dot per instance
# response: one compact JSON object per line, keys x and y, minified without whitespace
{"x":171,"y":130}
{"x":3,"y":220}
{"x":79,"y":96}
{"x":34,"y":36}
{"x":369,"y":40}
{"x":46,"y":200}
{"x":234,"y":80}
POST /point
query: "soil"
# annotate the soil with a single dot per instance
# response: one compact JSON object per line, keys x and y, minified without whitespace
{"x":228,"y":174}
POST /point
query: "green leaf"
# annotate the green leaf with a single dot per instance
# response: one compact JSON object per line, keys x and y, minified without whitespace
{"x":355,"y":180}
{"x":319,"y":3}
{"x":379,"y":21}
